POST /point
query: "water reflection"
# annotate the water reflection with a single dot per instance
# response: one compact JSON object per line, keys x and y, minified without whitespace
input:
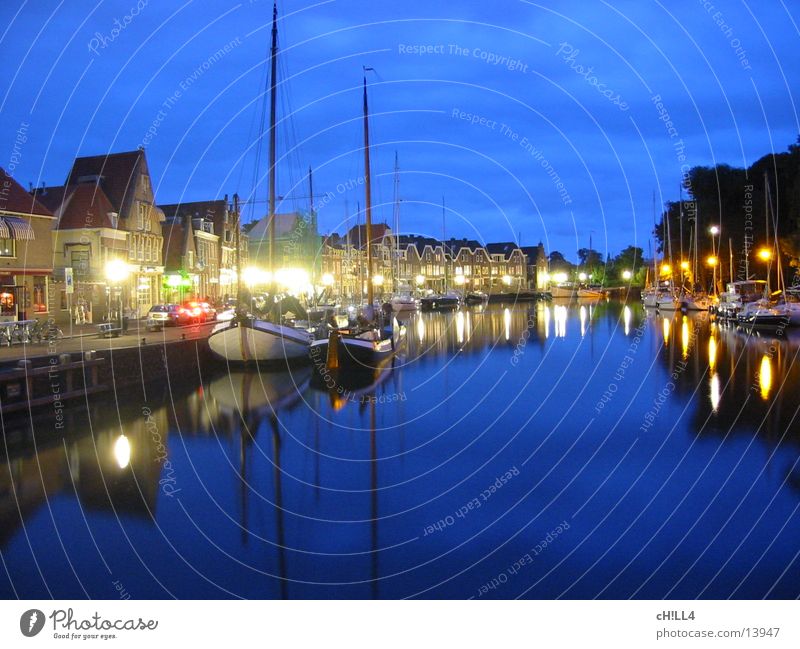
{"x":281,"y":485}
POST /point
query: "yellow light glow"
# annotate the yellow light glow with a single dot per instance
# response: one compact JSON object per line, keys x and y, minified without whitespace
{"x":253,"y":276}
{"x":420,"y":329}
{"x":626,"y":318}
{"x":712,"y":261}
{"x":377,"y":280}
{"x":765,"y":376}
{"x":327,"y":279}
{"x":507,"y":323}
{"x":560,"y":277}
{"x":583,"y":319}
{"x":626,"y":274}
{"x":116,"y":271}
{"x":714,"y":230}
{"x":685,"y":337}
{"x":547,"y":322}
{"x":460,"y":280}
{"x":684,"y":265}
{"x":560,"y":317}
{"x":294,"y":280}
{"x":666,"y":269}
{"x":666,"y":327}
{"x":582,"y":276}
{"x":460,"y":327}
{"x":507,"y":280}
{"x":420,"y":279}
{"x":715,"y":392}
{"x":122,"y":451}
{"x":765,"y":254}
{"x":712,"y":353}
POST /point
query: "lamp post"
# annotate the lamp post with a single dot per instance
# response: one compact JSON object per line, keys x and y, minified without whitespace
{"x":117,"y":271}
{"x":714,"y":231}
{"x":765,"y":255}
{"x":713,"y":261}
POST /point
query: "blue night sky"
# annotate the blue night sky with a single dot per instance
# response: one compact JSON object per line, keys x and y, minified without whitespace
{"x":568,"y":142}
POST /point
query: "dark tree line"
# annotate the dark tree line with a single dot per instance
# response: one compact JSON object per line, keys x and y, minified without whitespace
{"x":737,"y":201}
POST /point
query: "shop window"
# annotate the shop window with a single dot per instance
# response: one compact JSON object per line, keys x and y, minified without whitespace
{"x":7,"y":248}
{"x":40,"y":294}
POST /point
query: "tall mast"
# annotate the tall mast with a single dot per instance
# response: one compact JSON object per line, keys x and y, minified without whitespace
{"x":273,"y":92}
{"x":680,"y":232}
{"x":396,"y":223}
{"x":237,"y":253}
{"x":444,"y":244}
{"x":367,"y":196}
{"x":655,"y":261}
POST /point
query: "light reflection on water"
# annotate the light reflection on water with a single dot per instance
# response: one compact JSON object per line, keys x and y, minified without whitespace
{"x":279,"y":485}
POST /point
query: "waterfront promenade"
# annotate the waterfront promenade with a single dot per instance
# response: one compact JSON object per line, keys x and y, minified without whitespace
{"x":86,"y":338}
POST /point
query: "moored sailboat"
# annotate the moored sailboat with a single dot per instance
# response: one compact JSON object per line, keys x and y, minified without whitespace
{"x":245,"y":337}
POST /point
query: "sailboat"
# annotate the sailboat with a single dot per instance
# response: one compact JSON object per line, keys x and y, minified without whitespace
{"x":246,"y":338}
{"x":447,"y":300}
{"x":364,"y":346}
{"x":402,"y":300}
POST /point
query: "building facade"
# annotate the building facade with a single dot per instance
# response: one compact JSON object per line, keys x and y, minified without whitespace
{"x":25,"y":253}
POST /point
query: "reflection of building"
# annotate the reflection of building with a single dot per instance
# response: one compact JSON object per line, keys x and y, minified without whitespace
{"x":217,"y":218}
{"x":124,"y":180}
{"x":25,"y":252}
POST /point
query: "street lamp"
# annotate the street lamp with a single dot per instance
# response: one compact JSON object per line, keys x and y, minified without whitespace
{"x":626,"y":275}
{"x":420,"y":280}
{"x":764,"y":254}
{"x":507,"y":280}
{"x":327,"y":279}
{"x":117,"y":271}
{"x":666,"y":269}
{"x":713,"y":261}
{"x":582,"y":276}
{"x":460,"y":280}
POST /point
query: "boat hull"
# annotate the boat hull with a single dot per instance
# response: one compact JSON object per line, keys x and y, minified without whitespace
{"x":354,"y":354}
{"x":258,"y":340}
{"x":438,"y":304}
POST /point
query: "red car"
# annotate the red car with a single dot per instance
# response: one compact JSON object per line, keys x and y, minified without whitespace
{"x":199,"y":311}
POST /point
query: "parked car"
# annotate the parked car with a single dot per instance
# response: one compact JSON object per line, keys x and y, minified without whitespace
{"x":168,"y":315}
{"x":199,"y":311}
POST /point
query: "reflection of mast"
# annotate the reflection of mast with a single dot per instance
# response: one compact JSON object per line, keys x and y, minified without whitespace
{"x":276,"y":463}
{"x":373,"y":443}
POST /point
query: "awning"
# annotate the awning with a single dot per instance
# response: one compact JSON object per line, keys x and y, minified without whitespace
{"x":21,"y":229}
{"x":5,"y":233}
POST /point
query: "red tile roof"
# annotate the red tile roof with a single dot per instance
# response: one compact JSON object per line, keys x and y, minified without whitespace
{"x":14,"y":198}
{"x":85,"y":206}
{"x":358,"y":234}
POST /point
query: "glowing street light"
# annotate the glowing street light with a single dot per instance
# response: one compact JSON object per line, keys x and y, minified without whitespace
{"x":684,"y":265}
{"x":420,"y":280}
{"x":626,"y":275}
{"x":582,"y":276}
{"x":712,"y":261}
{"x":117,"y":271}
{"x":327,"y":279}
{"x":714,"y":230}
{"x":765,"y":254}
{"x":507,"y":280}
{"x":666,"y":269}
{"x":377,"y":280}
{"x":460,"y":280}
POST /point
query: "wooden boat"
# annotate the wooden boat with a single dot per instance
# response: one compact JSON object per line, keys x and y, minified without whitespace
{"x":476,"y":298}
{"x":444,"y":302}
{"x":246,"y":338}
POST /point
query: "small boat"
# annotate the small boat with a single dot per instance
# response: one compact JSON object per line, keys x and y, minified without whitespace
{"x":668,"y":302}
{"x":476,"y":298}
{"x":737,"y":295}
{"x":351,"y":350}
{"x":564,"y":290}
{"x":245,"y":338}
{"x":696,"y":302}
{"x":445,"y":302}
{"x":590,"y":293}
{"x":403,"y":303}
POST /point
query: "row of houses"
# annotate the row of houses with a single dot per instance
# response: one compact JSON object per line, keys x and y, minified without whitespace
{"x":58,"y":244}
{"x":412,"y":262}
{"x":100,"y":244}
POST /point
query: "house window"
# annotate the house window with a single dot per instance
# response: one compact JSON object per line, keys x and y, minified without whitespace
{"x":142,"y":216}
{"x":132,"y":247}
{"x":7,"y":248}
{"x":145,"y":183}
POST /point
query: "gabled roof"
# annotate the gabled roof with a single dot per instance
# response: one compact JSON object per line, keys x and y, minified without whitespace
{"x":80,"y":206}
{"x":285,"y":224}
{"x":206,"y":209}
{"x":178,"y":240}
{"x":14,"y":198}
{"x":504,"y":248}
{"x":117,"y":171}
{"x":358,"y":234}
